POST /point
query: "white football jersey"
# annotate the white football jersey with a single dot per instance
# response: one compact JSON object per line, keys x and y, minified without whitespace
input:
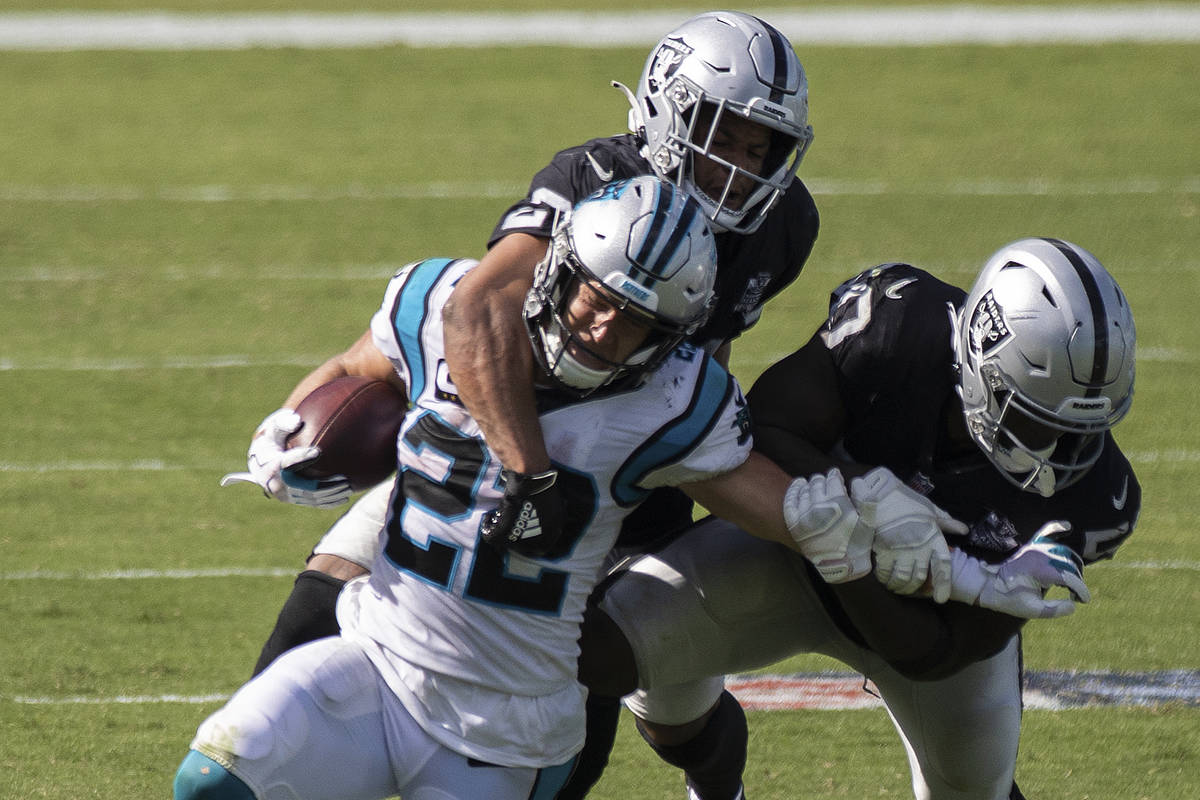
{"x":480,"y":646}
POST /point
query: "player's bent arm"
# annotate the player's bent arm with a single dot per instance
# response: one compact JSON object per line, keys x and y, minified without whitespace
{"x":362,"y":358}
{"x":798,"y":413}
{"x":270,"y":462}
{"x":488,"y":352}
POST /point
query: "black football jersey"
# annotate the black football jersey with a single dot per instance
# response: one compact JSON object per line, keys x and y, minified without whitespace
{"x":751,"y":269}
{"x":889,"y":334}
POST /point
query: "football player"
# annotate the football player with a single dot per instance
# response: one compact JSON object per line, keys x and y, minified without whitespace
{"x":995,"y":404}
{"x":721,"y":111}
{"x":455,"y":673}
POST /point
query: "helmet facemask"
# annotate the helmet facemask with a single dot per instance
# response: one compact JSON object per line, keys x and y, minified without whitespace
{"x":1032,"y":450}
{"x":697,"y":136}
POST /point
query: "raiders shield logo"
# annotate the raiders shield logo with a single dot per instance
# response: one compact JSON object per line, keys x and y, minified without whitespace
{"x":988,"y":329}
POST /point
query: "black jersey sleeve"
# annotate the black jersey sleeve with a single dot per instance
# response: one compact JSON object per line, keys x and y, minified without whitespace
{"x":1113,"y":508}
{"x":878,"y":363}
{"x":887,"y":324}
{"x":797,"y":411}
{"x":570,"y":176}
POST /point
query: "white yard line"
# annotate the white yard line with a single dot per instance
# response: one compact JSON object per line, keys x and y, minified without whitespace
{"x":235,"y":361}
{"x":887,"y":26}
{"x":494,"y":190}
{"x":152,"y":574}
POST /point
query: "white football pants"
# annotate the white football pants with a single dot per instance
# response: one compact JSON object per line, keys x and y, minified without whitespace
{"x":321,"y":724}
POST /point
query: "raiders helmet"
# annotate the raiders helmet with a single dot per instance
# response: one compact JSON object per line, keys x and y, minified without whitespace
{"x":738,"y":65}
{"x":1045,"y":344}
{"x":646,"y":248}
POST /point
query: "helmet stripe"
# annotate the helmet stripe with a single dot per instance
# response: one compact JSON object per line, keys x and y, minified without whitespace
{"x":657,"y":218}
{"x":663,"y":215}
{"x":779,"y":46}
{"x":682,"y":226}
{"x":1099,"y":315}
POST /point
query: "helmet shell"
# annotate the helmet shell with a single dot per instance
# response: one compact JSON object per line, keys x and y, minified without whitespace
{"x":1045,"y":335}
{"x":647,"y":248}
{"x":742,"y":66}
{"x":649,"y":243}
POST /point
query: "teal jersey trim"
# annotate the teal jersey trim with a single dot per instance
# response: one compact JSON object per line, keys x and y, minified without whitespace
{"x":409,"y":313}
{"x":675,"y":439}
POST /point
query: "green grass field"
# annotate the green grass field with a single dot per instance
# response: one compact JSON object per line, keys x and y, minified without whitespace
{"x":184,"y":234}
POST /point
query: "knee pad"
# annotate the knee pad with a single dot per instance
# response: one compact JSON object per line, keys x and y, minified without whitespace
{"x":201,"y":778}
{"x":715,"y":758}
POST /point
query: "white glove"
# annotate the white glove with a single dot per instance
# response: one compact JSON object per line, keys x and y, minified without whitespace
{"x":826,"y":528}
{"x":271,"y":466}
{"x":909,"y":545}
{"x":1017,"y":586}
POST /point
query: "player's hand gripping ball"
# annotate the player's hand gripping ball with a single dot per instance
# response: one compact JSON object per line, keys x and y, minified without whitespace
{"x":341,"y":438}
{"x":353,"y":422}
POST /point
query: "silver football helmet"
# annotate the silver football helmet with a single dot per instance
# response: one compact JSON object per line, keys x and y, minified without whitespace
{"x":724,"y":63}
{"x":646,"y":248}
{"x":1045,"y":344}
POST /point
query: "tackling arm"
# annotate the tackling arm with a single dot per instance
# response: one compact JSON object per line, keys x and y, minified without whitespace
{"x":799,"y":416}
{"x":488,"y":352}
{"x":750,"y":496}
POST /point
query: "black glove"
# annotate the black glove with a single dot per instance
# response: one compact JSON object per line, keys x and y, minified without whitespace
{"x":529,"y":519}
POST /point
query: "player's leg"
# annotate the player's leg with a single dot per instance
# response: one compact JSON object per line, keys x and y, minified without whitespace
{"x":715,"y":600}
{"x":345,"y":552}
{"x":320,"y":704}
{"x":699,"y":728}
{"x":960,"y":733}
{"x":603,"y":717}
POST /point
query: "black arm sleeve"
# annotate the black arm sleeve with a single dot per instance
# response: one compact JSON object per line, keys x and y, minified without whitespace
{"x":796,"y":405}
{"x":920,"y":639}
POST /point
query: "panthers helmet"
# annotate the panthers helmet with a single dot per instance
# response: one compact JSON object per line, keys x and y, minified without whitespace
{"x":1045,"y":344}
{"x":646,"y":248}
{"x":736,"y":64}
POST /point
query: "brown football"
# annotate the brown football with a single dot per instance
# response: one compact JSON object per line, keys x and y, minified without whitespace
{"x":354,"y":420}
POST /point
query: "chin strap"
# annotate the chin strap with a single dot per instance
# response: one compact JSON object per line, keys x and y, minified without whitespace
{"x":955,"y":330}
{"x":635,"y":115}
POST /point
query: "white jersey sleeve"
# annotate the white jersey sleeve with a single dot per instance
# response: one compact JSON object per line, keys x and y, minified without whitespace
{"x":407,"y":328}
{"x":709,"y":437}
